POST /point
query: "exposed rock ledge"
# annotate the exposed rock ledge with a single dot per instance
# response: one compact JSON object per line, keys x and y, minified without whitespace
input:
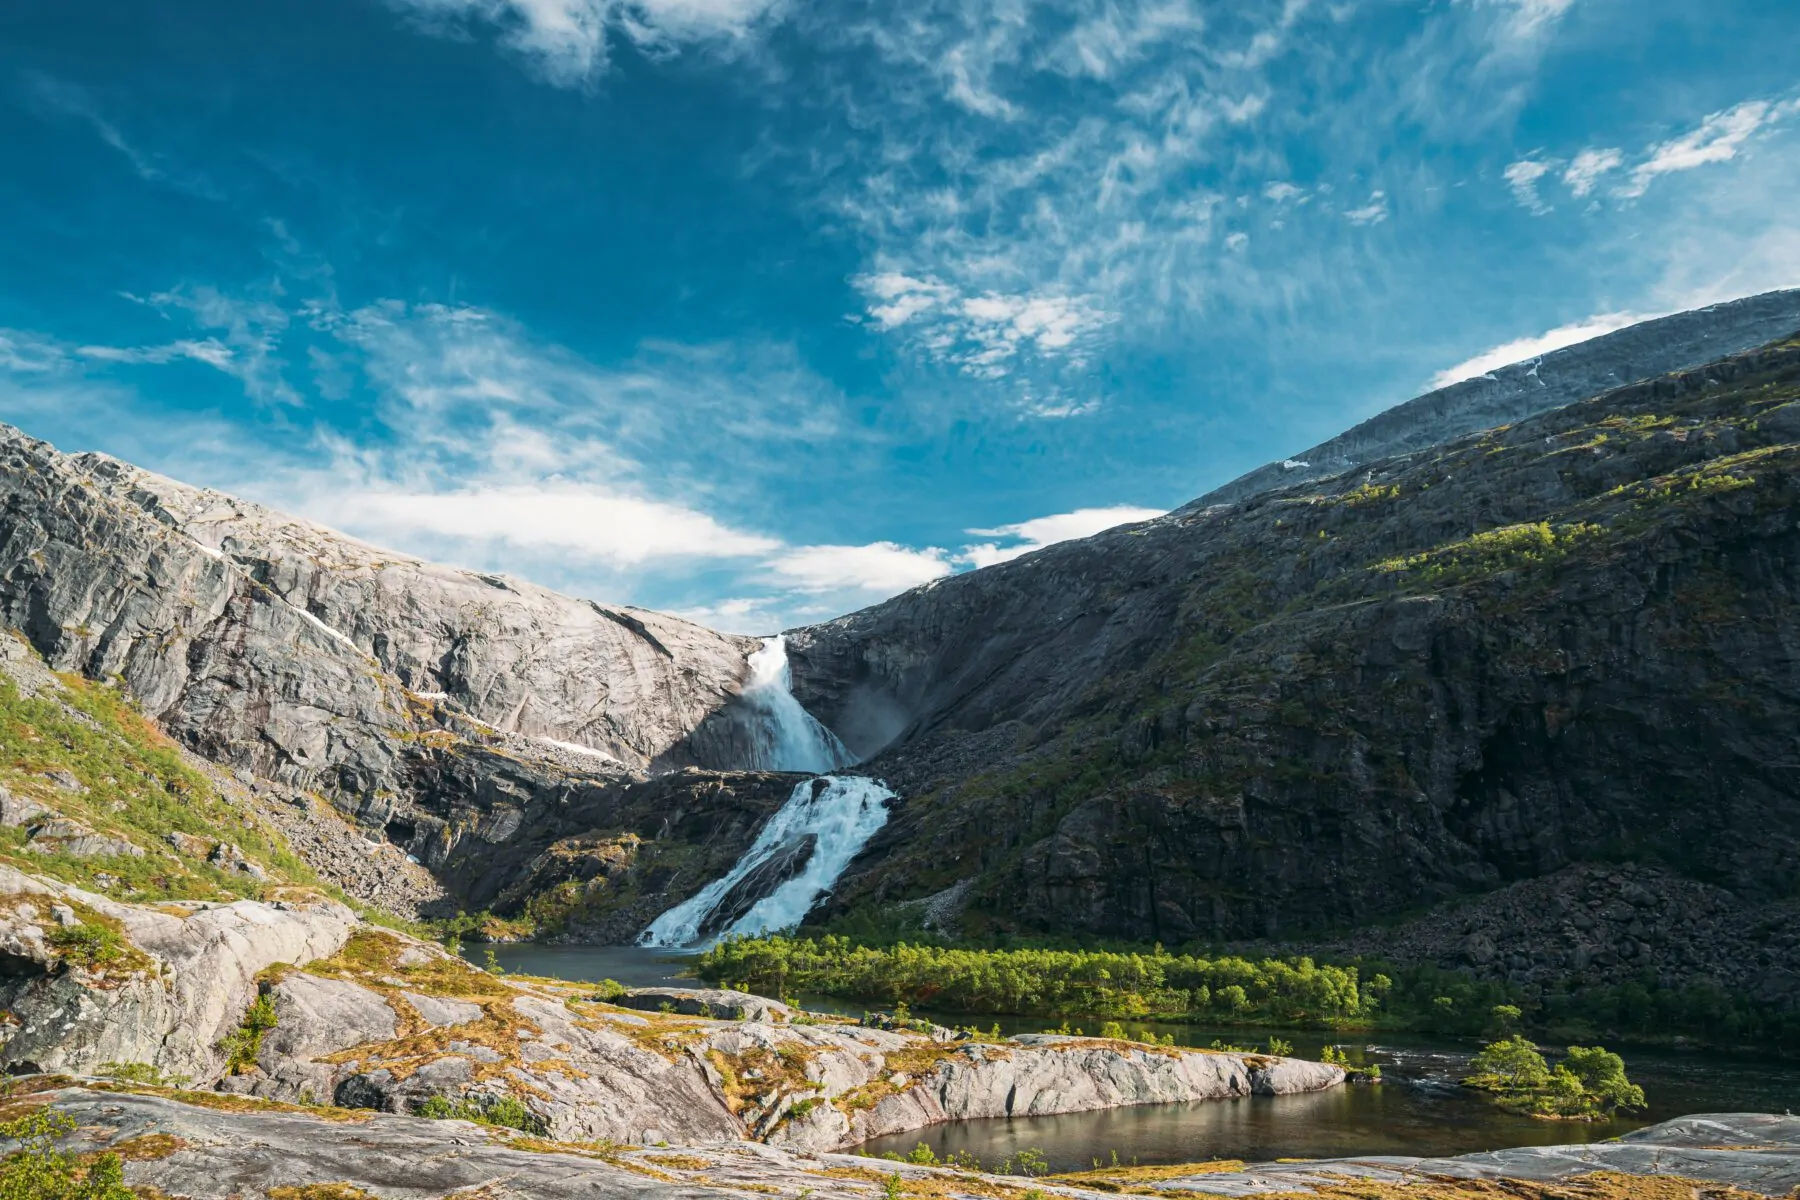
{"x":366,"y":1018}
{"x":209,"y":1153}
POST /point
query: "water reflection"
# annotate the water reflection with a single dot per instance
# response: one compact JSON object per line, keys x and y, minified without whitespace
{"x":1417,"y":1110}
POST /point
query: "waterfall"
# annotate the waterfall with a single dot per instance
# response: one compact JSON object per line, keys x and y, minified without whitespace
{"x":838,"y":814}
{"x":785,"y":736}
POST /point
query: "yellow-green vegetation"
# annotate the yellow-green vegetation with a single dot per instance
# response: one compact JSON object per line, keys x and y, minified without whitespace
{"x":1509,"y":548}
{"x":149,"y":1147}
{"x":759,"y":1070}
{"x":134,"y":785}
{"x":1371,"y":493}
{"x":1121,"y":1178}
{"x":390,"y":966}
{"x":321,"y":1191}
{"x":372,"y":956}
{"x":243,"y":1044}
{"x":96,"y":944}
{"x":912,"y":1063}
{"x":504,"y":1112}
{"x":1115,"y":984}
{"x":1588,"y":1085}
{"x":40,"y":1170}
{"x":964,"y":1183}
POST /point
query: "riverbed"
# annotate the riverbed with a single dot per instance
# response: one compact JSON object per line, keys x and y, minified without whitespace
{"x":1416,"y":1109}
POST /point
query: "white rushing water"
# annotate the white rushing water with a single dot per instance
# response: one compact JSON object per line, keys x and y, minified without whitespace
{"x":786,"y":737}
{"x":842,"y":812}
{"x":838,"y":813}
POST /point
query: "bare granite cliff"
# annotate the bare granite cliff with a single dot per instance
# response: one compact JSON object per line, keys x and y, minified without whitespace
{"x":625,"y":681}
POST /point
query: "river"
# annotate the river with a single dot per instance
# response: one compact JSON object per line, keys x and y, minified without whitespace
{"x":1416,"y":1109}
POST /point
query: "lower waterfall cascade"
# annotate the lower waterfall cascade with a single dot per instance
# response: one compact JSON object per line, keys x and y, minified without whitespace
{"x":841,"y":812}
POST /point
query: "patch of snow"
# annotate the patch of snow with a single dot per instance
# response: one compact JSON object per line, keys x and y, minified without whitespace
{"x":325,"y":629}
{"x":207,"y":550}
{"x":433,"y":696}
{"x":1293,"y":464}
{"x":576,"y":748}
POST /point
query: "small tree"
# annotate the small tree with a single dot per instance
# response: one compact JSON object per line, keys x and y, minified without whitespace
{"x":37,"y":1170}
{"x":1510,"y":1064}
{"x":1602,"y":1076}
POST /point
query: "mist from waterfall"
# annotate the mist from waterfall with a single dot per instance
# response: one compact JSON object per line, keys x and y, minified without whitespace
{"x":841,"y":812}
{"x":786,"y":737}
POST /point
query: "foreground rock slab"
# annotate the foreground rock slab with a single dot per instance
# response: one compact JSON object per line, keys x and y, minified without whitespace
{"x":1755,"y":1152}
{"x":239,"y":1148}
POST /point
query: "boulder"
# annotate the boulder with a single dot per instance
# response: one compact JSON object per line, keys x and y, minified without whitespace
{"x":65,"y":835}
{"x":705,"y":1002}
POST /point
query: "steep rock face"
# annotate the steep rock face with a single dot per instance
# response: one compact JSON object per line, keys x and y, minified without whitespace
{"x":1044,"y":1074}
{"x":236,"y":671}
{"x":1538,"y":385}
{"x":523,"y":659}
{"x":1565,"y":639}
{"x":467,"y":719}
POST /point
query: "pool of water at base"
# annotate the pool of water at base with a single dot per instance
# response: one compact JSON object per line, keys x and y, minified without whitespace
{"x":1417,"y":1109}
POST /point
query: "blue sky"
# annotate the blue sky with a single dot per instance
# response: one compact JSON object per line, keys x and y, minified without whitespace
{"x":761,"y":310}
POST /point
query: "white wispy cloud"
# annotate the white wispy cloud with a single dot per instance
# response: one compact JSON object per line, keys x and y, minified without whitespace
{"x":876,"y":569}
{"x":1523,"y":177}
{"x":1008,"y":542}
{"x":1372,"y":213}
{"x":1717,"y":139}
{"x":1585,"y":170}
{"x":1525,"y":348}
{"x":60,"y":98}
{"x":985,"y":334}
{"x":589,"y":520}
{"x":567,"y":40}
{"x":1532,"y":18}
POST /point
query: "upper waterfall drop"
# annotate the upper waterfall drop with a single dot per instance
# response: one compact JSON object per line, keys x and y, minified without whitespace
{"x":787,"y":737}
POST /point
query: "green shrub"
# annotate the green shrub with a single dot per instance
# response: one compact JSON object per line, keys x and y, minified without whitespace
{"x":37,"y":1170}
{"x":89,"y":944}
{"x":506,"y":1112}
{"x":243,"y":1044}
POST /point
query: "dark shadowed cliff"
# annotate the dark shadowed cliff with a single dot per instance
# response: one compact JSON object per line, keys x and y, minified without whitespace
{"x":1573,"y":638}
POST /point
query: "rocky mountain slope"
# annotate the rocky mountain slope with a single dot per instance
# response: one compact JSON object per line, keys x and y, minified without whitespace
{"x":451,"y":714}
{"x":1525,"y":389}
{"x":1303,"y":709}
{"x":627,"y":682}
{"x":1572,"y":638}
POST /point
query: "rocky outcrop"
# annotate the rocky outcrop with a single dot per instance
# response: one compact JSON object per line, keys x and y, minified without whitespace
{"x":212,"y":1153}
{"x":1565,"y":640}
{"x":366,"y":1018}
{"x":87,"y":981}
{"x":1041,"y":1075}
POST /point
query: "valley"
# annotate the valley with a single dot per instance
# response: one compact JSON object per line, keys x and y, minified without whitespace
{"x":1489,"y":708}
